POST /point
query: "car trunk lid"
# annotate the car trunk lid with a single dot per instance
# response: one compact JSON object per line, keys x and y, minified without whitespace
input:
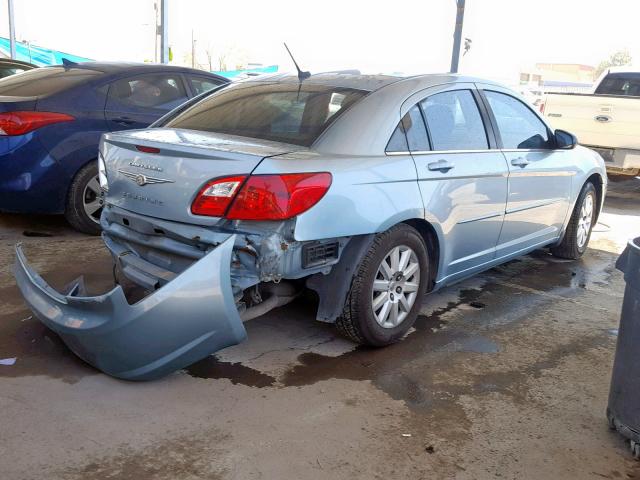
{"x":158,"y":172}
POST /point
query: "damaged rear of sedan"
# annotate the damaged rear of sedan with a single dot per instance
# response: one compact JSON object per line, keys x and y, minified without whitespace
{"x":370,"y":190}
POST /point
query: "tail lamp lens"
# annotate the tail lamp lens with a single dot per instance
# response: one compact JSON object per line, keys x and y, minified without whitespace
{"x":214,"y":198}
{"x":278,"y":197}
{"x":19,"y":123}
{"x":262,"y":197}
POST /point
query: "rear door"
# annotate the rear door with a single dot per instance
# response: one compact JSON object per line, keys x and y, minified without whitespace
{"x":462,"y":177}
{"x":138,"y":101}
{"x":539,"y":174}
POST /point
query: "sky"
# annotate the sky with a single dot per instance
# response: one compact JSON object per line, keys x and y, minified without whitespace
{"x":408,"y":36}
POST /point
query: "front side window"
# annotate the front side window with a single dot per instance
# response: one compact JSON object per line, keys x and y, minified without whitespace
{"x":627,"y":84}
{"x":454,"y":121}
{"x":410,"y":134}
{"x":519,"y":127}
{"x":283,"y":112}
{"x":155,"y":92}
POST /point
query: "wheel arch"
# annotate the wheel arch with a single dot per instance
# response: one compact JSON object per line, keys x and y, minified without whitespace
{"x":431,"y":239}
{"x":597,"y":181}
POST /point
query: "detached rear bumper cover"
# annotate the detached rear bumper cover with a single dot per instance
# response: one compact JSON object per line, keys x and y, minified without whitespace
{"x":184,"y":321}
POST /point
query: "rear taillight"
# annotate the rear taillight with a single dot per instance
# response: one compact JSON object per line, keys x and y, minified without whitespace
{"x":19,"y":123}
{"x":278,"y":197}
{"x":216,"y":196}
{"x":261,"y":197}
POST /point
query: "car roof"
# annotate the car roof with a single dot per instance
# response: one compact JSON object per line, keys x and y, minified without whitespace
{"x":370,"y":83}
{"x":112,"y":68}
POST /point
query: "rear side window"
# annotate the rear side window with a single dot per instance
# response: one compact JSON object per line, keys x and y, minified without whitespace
{"x":159,"y":92}
{"x":283,"y":112}
{"x":45,"y":81}
{"x":519,"y":127}
{"x":454,"y":121}
{"x":202,"y":84}
{"x":410,"y":134}
{"x":627,"y":84}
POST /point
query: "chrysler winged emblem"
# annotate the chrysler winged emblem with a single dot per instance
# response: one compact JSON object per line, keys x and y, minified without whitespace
{"x":141,"y":179}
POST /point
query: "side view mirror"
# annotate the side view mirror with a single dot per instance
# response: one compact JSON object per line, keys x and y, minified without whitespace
{"x":565,"y":140}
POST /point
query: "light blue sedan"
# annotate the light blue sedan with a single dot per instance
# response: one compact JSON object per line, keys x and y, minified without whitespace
{"x":370,"y":190}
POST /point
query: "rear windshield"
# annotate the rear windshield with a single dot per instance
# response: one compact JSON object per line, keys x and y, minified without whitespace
{"x":291,"y":113}
{"x":620,"y":84}
{"x":44,"y":81}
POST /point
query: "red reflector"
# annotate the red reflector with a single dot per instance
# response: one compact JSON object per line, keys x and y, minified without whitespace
{"x":278,"y":197}
{"x":142,"y":148}
{"x":214,"y":198}
{"x":19,"y":123}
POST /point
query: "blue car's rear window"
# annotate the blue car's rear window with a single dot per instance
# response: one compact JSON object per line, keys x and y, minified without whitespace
{"x":282,"y":112}
{"x":44,"y":81}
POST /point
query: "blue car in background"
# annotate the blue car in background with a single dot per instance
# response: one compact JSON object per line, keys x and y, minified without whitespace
{"x":51,"y":121}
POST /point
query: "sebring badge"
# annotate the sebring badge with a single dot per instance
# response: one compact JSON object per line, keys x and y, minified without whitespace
{"x":141,"y":179}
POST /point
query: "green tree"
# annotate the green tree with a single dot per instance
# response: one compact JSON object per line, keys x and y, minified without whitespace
{"x":617,"y":59}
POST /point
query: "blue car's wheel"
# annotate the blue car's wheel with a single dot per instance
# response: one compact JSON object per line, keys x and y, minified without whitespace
{"x":387,"y":291}
{"x":85,"y":200}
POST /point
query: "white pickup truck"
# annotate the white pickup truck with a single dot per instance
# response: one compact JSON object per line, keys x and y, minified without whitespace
{"x":607,"y":120}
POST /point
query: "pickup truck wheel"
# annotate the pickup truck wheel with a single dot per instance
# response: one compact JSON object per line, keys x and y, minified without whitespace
{"x":387,"y":290}
{"x":578,"y":233}
{"x":85,"y":200}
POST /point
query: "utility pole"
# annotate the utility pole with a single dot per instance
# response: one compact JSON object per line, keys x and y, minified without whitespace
{"x":193,"y":51}
{"x":164,"y":31}
{"x":12,"y":31}
{"x":457,"y":36}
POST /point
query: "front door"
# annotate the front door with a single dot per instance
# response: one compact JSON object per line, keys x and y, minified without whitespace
{"x":539,"y":175}
{"x":463,"y":181}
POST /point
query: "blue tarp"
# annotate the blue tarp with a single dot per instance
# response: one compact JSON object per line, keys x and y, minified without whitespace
{"x":234,"y":73}
{"x":38,"y":55}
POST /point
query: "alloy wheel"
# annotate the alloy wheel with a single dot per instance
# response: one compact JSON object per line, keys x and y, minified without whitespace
{"x":93,"y":199}
{"x":395,"y":286}
{"x":584,"y":220}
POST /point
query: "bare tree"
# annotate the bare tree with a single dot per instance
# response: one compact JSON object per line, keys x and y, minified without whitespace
{"x":617,"y":59}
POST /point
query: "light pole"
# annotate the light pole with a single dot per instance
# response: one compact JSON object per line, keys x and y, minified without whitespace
{"x":12,"y":31}
{"x":457,"y":36}
{"x":164,"y":31}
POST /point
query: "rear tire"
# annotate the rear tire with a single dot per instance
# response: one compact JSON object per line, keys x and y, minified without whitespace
{"x":399,"y":288}
{"x":85,"y":200}
{"x":578,"y":233}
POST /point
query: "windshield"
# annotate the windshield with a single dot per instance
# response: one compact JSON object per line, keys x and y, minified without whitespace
{"x":291,"y":113}
{"x":44,"y":81}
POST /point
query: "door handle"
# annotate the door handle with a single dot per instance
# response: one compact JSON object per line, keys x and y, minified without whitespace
{"x":441,"y":165}
{"x":123,"y":120}
{"x":602,"y":118}
{"x":520,"y":162}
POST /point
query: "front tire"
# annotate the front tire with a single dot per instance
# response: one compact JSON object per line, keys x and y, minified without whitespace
{"x":387,"y":290}
{"x":85,"y":200}
{"x":578,"y":233}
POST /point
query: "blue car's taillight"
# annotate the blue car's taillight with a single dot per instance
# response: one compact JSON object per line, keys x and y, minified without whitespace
{"x":19,"y":123}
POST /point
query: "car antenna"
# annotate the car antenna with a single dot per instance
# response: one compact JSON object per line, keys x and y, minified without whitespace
{"x":301,"y":75}
{"x":66,"y":63}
